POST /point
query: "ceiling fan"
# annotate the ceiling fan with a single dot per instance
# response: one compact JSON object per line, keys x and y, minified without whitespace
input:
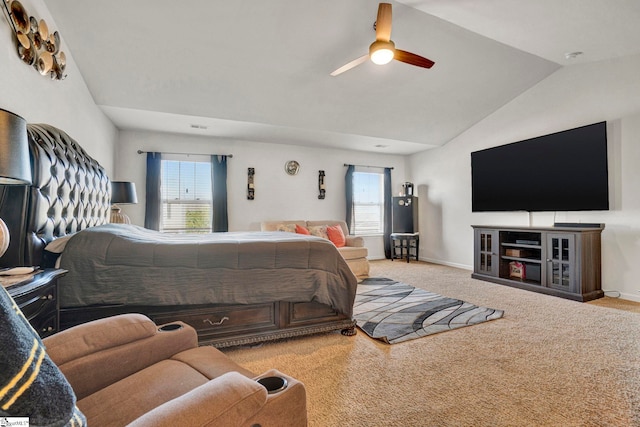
{"x":383,"y":50}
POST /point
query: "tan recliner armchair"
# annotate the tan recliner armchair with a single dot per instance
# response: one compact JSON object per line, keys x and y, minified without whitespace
{"x":125,"y":370}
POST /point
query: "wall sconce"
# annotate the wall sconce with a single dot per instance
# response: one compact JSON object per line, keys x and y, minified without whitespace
{"x":15,"y":166}
{"x":250,"y":188}
{"x":36,"y":45}
{"x":321,"y":187}
{"x":122,"y":192}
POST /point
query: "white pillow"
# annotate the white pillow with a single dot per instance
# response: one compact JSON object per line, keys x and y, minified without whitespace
{"x":57,"y":245}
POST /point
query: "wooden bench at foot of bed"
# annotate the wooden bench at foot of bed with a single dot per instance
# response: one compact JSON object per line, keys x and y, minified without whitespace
{"x":230,"y":325}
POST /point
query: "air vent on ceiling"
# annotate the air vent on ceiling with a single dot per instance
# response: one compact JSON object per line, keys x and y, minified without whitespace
{"x":572,"y":55}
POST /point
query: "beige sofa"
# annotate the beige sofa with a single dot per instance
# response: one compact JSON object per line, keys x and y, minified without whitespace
{"x":354,"y":251}
{"x":125,"y":370}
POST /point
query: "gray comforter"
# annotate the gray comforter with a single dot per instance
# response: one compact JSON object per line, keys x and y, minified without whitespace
{"x":126,"y":264}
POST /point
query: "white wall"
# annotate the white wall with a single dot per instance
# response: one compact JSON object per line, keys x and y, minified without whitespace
{"x":573,"y":96}
{"x":66,"y":104}
{"x":277,"y":195}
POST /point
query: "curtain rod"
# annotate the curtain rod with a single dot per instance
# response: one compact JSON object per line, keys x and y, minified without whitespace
{"x":367,"y":166}
{"x":187,"y":154}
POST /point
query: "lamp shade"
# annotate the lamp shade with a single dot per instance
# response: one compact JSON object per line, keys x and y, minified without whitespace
{"x":15,"y":167}
{"x":123,"y":192}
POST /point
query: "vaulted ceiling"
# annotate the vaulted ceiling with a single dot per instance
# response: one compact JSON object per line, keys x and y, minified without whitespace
{"x":259,"y":70}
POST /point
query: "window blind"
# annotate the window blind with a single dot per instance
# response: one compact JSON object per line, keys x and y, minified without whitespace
{"x":368,"y":205}
{"x":186,"y":196}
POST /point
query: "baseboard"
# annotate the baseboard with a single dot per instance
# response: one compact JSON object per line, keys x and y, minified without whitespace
{"x":433,"y":261}
{"x":448,"y":264}
{"x":622,"y":295}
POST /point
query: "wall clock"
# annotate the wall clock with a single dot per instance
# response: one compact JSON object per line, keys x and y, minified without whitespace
{"x":292,"y":167}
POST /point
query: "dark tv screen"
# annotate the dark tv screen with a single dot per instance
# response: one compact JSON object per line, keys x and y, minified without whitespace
{"x":564,"y":171}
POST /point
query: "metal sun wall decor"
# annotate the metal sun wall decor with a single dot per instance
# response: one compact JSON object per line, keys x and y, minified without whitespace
{"x":292,"y":167}
{"x":36,"y":45}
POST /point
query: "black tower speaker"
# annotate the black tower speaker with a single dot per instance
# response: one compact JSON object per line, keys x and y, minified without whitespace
{"x":405,"y":214}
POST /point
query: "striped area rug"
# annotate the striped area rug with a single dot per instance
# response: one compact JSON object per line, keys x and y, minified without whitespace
{"x":394,"y":312}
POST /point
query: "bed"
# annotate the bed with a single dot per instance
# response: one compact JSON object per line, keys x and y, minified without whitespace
{"x":234,"y":288}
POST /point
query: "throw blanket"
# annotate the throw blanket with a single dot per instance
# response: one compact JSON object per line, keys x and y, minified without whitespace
{"x":31,"y":385}
{"x":131,"y":265}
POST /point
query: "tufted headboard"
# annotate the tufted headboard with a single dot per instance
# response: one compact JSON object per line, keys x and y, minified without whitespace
{"x":70,"y":191}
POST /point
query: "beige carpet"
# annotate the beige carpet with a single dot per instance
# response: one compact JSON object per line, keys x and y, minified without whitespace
{"x":547,"y":362}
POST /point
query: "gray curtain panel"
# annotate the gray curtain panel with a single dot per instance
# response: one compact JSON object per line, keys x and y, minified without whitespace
{"x":153,"y":202}
{"x":348,"y":192}
{"x":220,"y":220}
{"x":387,"y":213}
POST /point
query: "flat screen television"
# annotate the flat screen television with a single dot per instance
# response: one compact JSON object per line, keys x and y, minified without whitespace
{"x":563,"y":171}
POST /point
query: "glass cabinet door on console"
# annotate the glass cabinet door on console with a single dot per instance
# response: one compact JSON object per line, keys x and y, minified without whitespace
{"x":561,"y":261}
{"x":486,"y":252}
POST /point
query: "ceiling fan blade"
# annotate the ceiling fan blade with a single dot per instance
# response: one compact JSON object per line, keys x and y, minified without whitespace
{"x":413,"y":59}
{"x":350,"y":65}
{"x":383,"y":23}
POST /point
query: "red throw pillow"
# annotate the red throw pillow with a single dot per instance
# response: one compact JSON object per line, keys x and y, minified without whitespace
{"x":336,"y":235}
{"x":302,"y":230}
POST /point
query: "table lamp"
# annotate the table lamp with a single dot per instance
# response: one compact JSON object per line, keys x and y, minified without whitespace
{"x":15,"y":167}
{"x":121,"y":192}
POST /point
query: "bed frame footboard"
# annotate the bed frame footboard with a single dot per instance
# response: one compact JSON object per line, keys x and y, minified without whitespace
{"x":230,"y":325}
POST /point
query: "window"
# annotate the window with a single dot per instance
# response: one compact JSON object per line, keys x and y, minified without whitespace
{"x":368,"y":203}
{"x":186,"y":196}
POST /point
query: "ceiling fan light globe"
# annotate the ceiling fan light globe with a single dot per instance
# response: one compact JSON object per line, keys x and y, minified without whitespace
{"x":382,"y":56}
{"x":381,"y":52}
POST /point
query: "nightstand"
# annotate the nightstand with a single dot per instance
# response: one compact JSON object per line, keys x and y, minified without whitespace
{"x":37,"y":296}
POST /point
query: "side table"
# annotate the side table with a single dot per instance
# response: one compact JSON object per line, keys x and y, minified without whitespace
{"x":405,"y":245}
{"x":37,"y":296}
